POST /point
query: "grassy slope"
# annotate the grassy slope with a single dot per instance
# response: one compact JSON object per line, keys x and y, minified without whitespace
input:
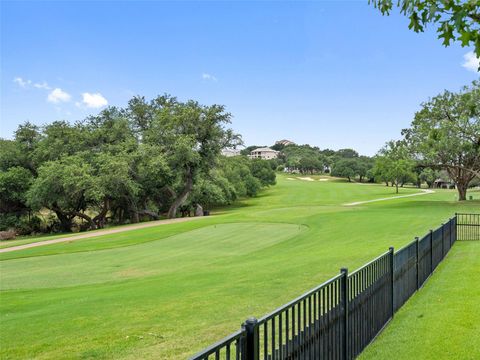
{"x":22,"y":240}
{"x":442,"y":321}
{"x":167,"y":291}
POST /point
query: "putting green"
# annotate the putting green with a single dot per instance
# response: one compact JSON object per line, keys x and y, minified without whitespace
{"x":215,"y":243}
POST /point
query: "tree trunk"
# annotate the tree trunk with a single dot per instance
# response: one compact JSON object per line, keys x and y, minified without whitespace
{"x":121,"y":216}
{"x":134,"y":218}
{"x":462,"y":191}
{"x":396,"y":186}
{"x":99,"y":220}
{"x":462,"y":178}
{"x":65,"y":220}
{"x":172,"y":212}
{"x":147,"y":212}
{"x":133,"y":210}
{"x":91,"y":223}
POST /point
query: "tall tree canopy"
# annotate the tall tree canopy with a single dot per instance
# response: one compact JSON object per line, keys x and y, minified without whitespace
{"x":445,"y":134}
{"x":149,"y":159}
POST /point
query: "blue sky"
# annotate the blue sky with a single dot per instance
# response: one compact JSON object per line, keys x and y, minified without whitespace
{"x":332,"y":74}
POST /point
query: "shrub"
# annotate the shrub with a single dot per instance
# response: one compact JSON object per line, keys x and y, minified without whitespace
{"x":7,"y":235}
{"x":26,"y":226}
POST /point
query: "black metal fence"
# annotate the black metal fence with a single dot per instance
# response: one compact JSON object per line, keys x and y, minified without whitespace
{"x":468,"y":226}
{"x":340,"y":317}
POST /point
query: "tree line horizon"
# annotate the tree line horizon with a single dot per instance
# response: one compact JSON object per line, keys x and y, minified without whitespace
{"x":162,"y":158}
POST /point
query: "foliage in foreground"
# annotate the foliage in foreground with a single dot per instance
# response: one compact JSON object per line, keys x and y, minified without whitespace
{"x":455,"y":20}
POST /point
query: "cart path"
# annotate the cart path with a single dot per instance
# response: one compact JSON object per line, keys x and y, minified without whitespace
{"x":100,"y":233}
{"x":424,"y":192}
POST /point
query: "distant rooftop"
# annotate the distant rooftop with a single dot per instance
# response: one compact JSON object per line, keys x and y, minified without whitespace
{"x":264,"y":149}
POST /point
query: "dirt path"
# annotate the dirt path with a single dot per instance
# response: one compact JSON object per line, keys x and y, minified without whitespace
{"x":99,"y":233}
{"x":424,"y":192}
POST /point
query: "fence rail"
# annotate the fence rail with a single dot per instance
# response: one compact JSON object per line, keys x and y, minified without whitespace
{"x":339,"y":318}
{"x":468,"y":226}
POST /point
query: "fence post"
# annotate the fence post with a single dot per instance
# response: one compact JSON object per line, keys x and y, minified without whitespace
{"x":456,"y":226}
{"x":251,"y":339}
{"x":443,"y":240}
{"x":391,"y":250}
{"x":431,"y":251}
{"x":418,"y":260}
{"x":344,"y":272}
{"x":451,"y":232}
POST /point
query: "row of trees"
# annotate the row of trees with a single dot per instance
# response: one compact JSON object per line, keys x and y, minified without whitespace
{"x":444,"y":135}
{"x":345,"y":163}
{"x":442,"y":141}
{"x":152,"y":158}
{"x":308,"y":159}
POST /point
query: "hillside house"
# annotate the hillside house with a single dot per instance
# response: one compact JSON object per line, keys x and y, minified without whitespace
{"x":263,"y":153}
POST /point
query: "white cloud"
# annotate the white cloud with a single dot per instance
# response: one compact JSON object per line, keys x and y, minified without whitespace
{"x":57,"y":95}
{"x":206,"y":76}
{"x":25,"y":83}
{"x":21,"y":82}
{"x":42,"y":85}
{"x":94,"y":100}
{"x":471,"y":63}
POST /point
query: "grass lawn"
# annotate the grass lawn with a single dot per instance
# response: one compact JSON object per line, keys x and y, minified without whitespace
{"x":22,"y":240}
{"x":442,"y":321}
{"x":165,"y":292}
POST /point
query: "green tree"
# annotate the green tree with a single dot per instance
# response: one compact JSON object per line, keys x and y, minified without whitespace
{"x":64,"y":187}
{"x":125,"y":164}
{"x":445,"y":134}
{"x":237,"y":170}
{"x":193,"y":136}
{"x":346,"y":168}
{"x":305,"y":158}
{"x":262,"y":170}
{"x":428,"y":176}
{"x":455,"y":20}
{"x":380,"y":169}
{"x":115,"y":183}
{"x":208,"y":193}
{"x":347,"y":153}
{"x":364,"y":165}
{"x":395,"y":163}
{"x":14,"y":183}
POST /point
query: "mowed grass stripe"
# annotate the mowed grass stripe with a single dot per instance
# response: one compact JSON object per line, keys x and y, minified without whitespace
{"x":290,"y":202}
{"x":200,"y":247}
